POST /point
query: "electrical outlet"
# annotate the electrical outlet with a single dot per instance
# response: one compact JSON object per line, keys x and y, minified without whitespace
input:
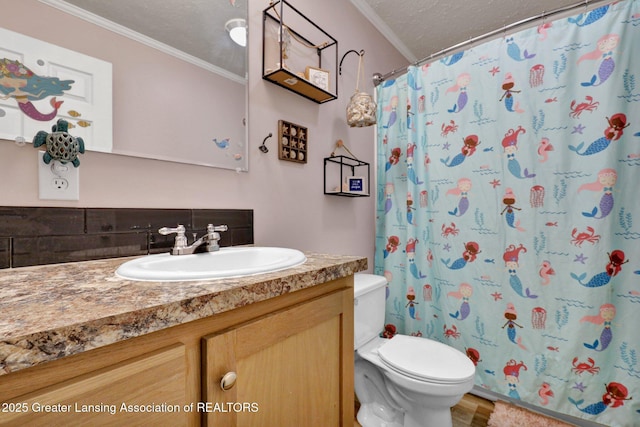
{"x":57,"y":180}
{"x":60,"y":183}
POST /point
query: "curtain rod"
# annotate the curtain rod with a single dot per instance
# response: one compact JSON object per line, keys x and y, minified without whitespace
{"x":379,"y":78}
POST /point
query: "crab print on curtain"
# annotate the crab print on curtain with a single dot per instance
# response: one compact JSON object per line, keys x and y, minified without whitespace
{"x":508,"y":214}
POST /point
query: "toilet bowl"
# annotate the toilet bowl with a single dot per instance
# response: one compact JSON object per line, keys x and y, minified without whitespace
{"x":403,"y":381}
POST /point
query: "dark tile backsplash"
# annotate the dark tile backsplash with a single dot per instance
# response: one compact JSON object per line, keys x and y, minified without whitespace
{"x":34,"y":236}
{"x":4,"y":253}
{"x":40,"y":221}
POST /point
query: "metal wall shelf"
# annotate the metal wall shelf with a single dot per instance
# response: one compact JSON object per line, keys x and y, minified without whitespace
{"x":348,"y":177}
{"x":292,"y":45}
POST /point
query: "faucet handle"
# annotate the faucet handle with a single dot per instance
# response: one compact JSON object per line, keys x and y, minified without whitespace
{"x":167,"y":230}
{"x":214,"y":236}
{"x":181,"y":238}
{"x":214,"y":228}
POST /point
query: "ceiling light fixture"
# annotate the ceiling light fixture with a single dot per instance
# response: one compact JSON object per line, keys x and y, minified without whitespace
{"x":237,"y":29}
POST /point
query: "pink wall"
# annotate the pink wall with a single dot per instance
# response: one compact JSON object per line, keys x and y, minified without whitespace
{"x":290,"y":207}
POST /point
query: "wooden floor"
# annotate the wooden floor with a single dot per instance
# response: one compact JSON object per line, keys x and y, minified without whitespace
{"x":471,"y":411}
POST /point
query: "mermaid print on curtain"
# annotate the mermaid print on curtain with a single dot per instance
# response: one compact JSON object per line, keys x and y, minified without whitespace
{"x":509,"y":213}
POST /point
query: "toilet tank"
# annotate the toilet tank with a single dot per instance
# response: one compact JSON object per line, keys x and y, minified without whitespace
{"x":369,"y":294}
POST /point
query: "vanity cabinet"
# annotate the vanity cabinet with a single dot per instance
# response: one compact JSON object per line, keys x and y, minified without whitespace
{"x":293,"y":356}
{"x":97,"y":398}
{"x":288,"y":368}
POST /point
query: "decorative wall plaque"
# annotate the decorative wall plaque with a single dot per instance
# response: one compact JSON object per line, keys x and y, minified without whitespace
{"x":293,"y":142}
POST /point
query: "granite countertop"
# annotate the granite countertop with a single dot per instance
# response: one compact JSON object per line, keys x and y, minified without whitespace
{"x":53,"y":311}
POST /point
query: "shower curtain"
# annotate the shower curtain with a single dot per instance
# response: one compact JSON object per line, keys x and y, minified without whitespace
{"x":508,"y":212}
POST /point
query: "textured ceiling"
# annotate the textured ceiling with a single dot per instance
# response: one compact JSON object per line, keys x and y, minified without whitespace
{"x":417,"y":28}
{"x":421,"y":28}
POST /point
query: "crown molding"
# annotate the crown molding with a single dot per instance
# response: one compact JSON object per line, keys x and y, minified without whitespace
{"x":368,"y":12}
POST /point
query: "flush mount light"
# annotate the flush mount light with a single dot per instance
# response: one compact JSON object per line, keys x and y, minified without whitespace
{"x":237,"y":29}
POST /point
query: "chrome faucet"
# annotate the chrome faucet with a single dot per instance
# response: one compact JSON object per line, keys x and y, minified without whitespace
{"x":181,"y":246}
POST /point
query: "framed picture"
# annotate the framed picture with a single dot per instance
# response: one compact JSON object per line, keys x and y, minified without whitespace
{"x":318,"y":77}
{"x":355,"y":184}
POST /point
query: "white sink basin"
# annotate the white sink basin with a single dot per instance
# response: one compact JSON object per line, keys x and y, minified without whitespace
{"x":225,"y":263}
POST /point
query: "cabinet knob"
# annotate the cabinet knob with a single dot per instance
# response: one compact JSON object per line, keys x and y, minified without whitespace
{"x":228,"y":381}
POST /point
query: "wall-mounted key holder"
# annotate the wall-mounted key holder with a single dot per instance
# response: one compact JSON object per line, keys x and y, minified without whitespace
{"x":293,"y":142}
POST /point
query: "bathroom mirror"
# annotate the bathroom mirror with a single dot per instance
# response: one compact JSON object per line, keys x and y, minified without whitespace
{"x":179,"y":81}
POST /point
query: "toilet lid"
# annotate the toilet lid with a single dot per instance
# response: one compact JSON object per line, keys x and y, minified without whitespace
{"x":426,"y":359}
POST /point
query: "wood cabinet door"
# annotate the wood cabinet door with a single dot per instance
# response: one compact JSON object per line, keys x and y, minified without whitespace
{"x":294,"y":368}
{"x":151,"y":387}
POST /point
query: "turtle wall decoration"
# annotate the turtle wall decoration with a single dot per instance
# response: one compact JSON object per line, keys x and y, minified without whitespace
{"x":60,"y":144}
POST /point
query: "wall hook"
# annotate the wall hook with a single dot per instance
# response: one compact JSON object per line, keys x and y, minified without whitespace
{"x":263,"y":147}
{"x":344,"y":56}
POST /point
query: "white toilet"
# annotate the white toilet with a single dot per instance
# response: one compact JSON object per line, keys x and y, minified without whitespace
{"x":403,"y":381}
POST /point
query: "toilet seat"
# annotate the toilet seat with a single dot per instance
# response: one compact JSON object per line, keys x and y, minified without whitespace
{"x":426,"y":360}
